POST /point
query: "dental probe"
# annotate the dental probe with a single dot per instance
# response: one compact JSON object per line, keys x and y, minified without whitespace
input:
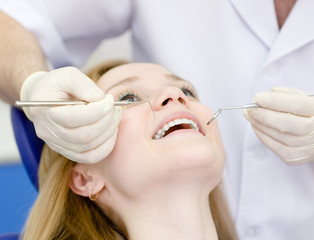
{"x":250,"y":105}
{"x":66,"y":103}
{"x":73,"y":103}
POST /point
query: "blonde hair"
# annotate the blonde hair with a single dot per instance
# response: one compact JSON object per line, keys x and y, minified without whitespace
{"x":58,"y":213}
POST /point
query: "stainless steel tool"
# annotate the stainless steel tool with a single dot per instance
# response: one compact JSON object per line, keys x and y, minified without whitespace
{"x":250,"y":105}
{"x":73,"y":103}
{"x":66,"y":103}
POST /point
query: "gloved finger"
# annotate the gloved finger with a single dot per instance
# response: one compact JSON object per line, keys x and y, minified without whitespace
{"x":291,"y":156}
{"x":287,"y":100}
{"x":94,"y":135}
{"x":287,"y":139}
{"x":103,"y":139}
{"x":89,"y":136}
{"x":89,"y":157}
{"x":101,"y":152}
{"x":77,"y":84}
{"x":281,"y":121}
{"x":288,"y":90}
{"x":80,"y":115}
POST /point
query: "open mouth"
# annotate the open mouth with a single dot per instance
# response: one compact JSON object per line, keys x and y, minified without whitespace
{"x":174,"y":125}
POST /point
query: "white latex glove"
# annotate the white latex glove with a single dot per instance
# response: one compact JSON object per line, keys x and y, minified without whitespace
{"x":285,"y":123}
{"x":82,"y":133}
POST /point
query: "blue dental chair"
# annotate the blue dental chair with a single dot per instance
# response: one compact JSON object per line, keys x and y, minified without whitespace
{"x":30,"y":147}
{"x":9,"y":236}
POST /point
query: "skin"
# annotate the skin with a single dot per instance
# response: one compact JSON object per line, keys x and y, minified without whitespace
{"x":18,"y":59}
{"x":156,"y":189}
{"x":283,"y":9}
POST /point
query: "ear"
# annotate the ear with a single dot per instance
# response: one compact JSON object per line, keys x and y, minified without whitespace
{"x":84,"y":181}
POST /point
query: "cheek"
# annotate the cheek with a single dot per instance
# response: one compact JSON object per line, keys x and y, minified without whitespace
{"x":202,"y":112}
{"x":211,"y":130}
{"x":128,"y":163}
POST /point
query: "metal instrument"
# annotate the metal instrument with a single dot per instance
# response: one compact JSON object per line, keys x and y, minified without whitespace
{"x":66,"y":103}
{"x":73,"y":103}
{"x":250,"y":105}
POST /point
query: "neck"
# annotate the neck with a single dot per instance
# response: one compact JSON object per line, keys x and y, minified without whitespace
{"x":177,"y":215}
{"x":283,"y":9}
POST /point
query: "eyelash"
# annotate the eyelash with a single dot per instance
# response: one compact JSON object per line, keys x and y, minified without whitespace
{"x":127,"y":94}
{"x":189,"y":91}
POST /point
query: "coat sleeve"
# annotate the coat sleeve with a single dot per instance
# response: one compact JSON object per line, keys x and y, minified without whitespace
{"x":68,"y":31}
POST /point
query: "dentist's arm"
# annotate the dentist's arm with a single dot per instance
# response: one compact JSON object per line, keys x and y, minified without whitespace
{"x":20,"y":56}
{"x":285,"y":123}
{"x":84,"y":134}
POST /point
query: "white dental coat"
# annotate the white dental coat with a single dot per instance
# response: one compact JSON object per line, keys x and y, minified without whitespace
{"x":230,"y":50}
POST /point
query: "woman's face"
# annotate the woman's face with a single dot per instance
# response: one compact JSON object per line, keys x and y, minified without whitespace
{"x":164,"y":144}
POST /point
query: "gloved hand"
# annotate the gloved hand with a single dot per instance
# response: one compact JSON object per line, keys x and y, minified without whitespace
{"x":285,"y":123}
{"x":82,"y":133}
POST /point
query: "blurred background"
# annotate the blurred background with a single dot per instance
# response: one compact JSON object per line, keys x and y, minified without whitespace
{"x":16,"y":191}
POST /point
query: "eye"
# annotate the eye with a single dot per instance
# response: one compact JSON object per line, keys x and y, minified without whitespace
{"x":129,"y":97}
{"x":189,"y":91}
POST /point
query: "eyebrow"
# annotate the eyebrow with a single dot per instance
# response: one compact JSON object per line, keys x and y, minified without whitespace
{"x":175,"y":77}
{"x":124,"y":81}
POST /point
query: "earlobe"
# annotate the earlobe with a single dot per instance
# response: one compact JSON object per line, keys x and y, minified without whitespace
{"x":84,"y":183}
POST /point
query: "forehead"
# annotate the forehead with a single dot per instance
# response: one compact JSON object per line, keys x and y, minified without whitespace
{"x":146,"y":71}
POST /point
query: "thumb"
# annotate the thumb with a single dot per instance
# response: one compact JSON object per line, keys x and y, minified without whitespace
{"x":80,"y":86}
{"x":92,"y":93}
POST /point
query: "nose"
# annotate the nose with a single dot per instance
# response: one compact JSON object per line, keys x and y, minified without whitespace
{"x":170,"y":95}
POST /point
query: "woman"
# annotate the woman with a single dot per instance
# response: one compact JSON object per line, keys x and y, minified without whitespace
{"x":155,"y":183}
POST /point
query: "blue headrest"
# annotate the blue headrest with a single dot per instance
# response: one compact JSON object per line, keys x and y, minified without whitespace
{"x":29,"y":145}
{"x":9,"y":236}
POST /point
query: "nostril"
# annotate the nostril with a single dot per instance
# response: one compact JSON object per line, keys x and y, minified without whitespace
{"x":164,"y":103}
{"x":181,"y":100}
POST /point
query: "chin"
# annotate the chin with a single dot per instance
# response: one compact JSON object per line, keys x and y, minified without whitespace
{"x":201,"y":162}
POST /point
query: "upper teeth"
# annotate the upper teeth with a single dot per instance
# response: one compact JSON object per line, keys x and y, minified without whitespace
{"x":162,"y":131}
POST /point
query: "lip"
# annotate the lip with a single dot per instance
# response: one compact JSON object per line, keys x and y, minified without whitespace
{"x":178,"y":115}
